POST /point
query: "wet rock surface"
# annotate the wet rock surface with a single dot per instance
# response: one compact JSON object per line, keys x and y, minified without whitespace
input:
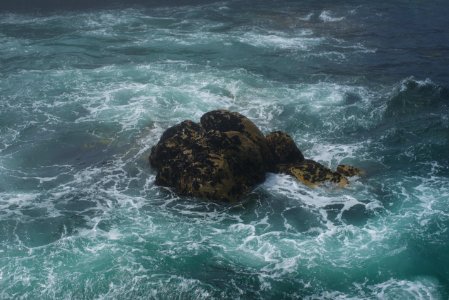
{"x":226,"y":121}
{"x":219,"y":160}
{"x":226,"y":155}
{"x":283,"y":149}
{"x":349,"y":171}
{"x":312,"y":173}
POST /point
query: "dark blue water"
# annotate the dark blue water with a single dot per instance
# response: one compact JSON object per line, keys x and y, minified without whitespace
{"x":87,"y":89}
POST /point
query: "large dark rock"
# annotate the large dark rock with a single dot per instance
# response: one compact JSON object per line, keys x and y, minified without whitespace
{"x":224,"y":121}
{"x":226,"y":155}
{"x":177,"y":143}
{"x":207,"y":162}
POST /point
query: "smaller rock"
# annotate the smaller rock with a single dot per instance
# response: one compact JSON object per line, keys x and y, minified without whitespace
{"x":312,"y":173}
{"x":283,"y":149}
{"x":349,"y":171}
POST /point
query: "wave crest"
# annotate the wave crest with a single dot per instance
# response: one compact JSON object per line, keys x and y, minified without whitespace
{"x":416,"y":97}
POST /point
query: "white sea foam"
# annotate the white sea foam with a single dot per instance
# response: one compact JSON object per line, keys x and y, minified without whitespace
{"x":114,"y":234}
{"x":332,"y":155}
{"x":330,"y":55}
{"x":422,"y":288}
{"x":288,"y":186}
{"x":327,"y":16}
{"x":11,"y":203}
{"x":357,"y":47}
{"x":403,"y":86}
{"x":280,"y":41}
{"x":307,"y":17}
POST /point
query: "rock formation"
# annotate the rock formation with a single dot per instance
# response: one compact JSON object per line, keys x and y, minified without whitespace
{"x":349,"y":171}
{"x":283,"y":149}
{"x":226,"y":155}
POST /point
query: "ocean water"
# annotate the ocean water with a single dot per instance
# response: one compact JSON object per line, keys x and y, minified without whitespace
{"x":86,"y":93}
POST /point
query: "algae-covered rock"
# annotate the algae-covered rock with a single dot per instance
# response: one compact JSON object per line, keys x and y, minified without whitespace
{"x":312,"y":173}
{"x":207,"y":163}
{"x":288,"y":159}
{"x":177,"y":142}
{"x":225,"y":121}
{"x":349,"y":171}
{"x":226,"y":155}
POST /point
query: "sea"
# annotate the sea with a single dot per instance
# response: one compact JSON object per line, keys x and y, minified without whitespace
{"x":86,"y":90}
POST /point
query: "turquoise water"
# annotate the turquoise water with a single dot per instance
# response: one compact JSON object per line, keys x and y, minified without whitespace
{"x":85,"y":94}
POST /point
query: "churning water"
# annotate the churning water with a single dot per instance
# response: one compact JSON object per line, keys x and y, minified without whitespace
{"x":84,"y":95}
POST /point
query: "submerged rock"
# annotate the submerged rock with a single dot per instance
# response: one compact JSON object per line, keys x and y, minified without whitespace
{"x":226,"y":155}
